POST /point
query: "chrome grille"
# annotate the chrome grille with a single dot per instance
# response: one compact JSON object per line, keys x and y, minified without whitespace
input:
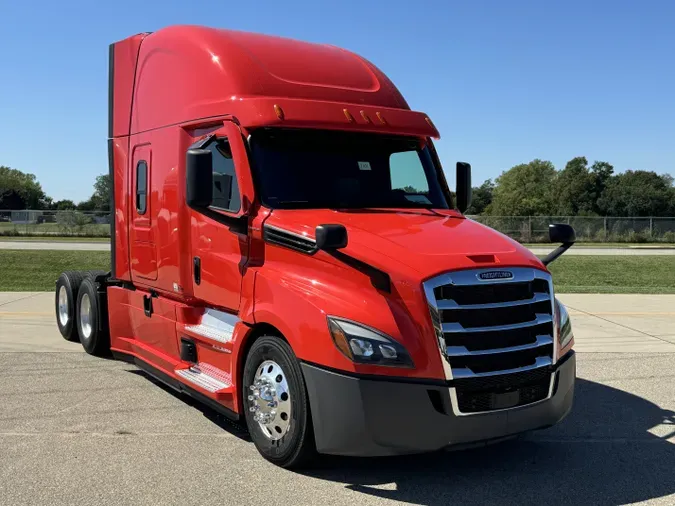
{"x":496,"y":328}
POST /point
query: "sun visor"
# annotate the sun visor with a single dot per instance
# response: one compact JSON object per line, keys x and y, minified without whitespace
{"x":335,"y":116}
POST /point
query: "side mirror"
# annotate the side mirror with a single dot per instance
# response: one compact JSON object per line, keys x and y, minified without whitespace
{"x":331,"y":237}
{"x":563,"y":233}
{"x":199,"y":178}
{"x":463,"y":194}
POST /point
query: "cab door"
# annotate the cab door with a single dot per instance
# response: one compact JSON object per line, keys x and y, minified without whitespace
{"x":219,"y":234}
{"x":142,"y":237}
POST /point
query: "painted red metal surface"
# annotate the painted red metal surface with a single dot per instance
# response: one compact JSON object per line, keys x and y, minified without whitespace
{"x":191,"y":82}
{"x":124,"y":70}
{"x":120,"y":182}
{"x":205,"y":72}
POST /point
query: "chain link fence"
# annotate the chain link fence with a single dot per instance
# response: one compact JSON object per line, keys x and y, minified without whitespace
{"x":532,"y":229}
{"x":55,"y":223}
{"x":528,"y":229}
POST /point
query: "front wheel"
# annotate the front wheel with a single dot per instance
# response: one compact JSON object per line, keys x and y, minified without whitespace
{"x":277,"y":408}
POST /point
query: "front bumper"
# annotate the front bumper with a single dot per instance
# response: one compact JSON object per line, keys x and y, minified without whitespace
{"x":379,"y":417}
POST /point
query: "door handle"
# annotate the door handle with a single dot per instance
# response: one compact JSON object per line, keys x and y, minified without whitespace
{"x":197,"y":270}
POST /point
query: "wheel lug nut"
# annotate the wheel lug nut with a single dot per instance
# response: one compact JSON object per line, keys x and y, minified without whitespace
{"x":250,"y":397}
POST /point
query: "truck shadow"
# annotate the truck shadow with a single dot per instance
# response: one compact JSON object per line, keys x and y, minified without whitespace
{"x":235,"y":428}
{"x":612,"y":449}
{"x":602,"y":454}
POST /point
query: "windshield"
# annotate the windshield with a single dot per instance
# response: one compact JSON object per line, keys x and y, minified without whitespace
{"x":326,"y":169}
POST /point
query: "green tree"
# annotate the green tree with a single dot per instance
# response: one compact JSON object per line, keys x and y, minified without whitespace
{"x":19,"y":187}
{"x":481,"y":197}
{"x":639,"y":193}
{"x":602,"y":173}
{"x":87,"y":205}
{"x":103,"y":191}
{"x":573,"y":191}
{"x":524,"y":190}
{"x":100,"y":199}
{"x":64,"y":205}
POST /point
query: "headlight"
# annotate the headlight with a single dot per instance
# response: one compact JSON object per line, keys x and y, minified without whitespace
{"x":565,"y":333}
{"x":367,"y":346}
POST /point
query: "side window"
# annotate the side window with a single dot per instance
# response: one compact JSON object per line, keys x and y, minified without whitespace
{"x":141,"y":186}
{"x":407,"y":173}
{"x":225,"y":189}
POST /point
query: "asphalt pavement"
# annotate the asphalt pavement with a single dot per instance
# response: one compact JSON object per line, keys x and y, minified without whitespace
{"x":78,"y":430}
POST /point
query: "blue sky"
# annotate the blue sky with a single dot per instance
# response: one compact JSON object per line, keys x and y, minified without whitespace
{"x":505,"y":82}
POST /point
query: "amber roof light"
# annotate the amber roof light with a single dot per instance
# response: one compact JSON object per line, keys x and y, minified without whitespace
{"x":279,"y":111}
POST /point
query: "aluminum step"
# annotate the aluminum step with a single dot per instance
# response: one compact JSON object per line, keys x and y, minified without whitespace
{"x":215,"y":325}
{"x":206,"y":376}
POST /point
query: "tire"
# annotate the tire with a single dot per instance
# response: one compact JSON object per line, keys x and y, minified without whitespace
{"x":65,"y":299}
{"x":294,"y":445}
{"x":94,"y":274}
{"x":94,"y":337}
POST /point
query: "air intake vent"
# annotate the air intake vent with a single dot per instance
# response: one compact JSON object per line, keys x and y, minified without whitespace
{"x":290,"y":240}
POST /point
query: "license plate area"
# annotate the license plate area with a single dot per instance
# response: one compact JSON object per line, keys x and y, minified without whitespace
{"x":505,"y":400}
{"x":508,"y":392}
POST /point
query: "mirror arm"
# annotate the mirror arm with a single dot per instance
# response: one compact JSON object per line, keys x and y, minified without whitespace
{"x":201,"y":144}
{"x":378,"y":278}
{"x":556,"y":252}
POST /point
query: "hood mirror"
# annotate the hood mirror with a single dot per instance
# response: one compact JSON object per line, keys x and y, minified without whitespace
{"x":331,"y":237}
{"x":563,"y":233}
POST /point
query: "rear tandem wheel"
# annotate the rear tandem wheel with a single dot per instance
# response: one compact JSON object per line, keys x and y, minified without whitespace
{"x":67,"y":287}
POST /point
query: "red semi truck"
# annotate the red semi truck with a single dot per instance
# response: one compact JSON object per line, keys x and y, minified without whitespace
{"x":285,"y":249}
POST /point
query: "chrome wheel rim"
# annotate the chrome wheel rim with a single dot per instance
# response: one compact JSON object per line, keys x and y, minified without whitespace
{"x":63,"y":306}
{"x":85,"y":316}
{"x":269,"y":400}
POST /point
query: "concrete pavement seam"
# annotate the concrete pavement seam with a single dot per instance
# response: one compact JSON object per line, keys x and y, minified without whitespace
{"x":622,"y":325}
{"x":22,"y":298}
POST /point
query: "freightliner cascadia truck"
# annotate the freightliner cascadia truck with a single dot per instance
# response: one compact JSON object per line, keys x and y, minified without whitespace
{"x":285,"y":249}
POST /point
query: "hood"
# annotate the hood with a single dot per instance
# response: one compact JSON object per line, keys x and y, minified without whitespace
{"x":426,"y":242}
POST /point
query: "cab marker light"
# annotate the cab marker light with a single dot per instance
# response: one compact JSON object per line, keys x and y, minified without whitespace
{"x":349,"y":116}
{"x":279,"y":111}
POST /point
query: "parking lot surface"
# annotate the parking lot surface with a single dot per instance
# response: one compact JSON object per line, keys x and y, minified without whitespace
{"x":75,"y":429}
